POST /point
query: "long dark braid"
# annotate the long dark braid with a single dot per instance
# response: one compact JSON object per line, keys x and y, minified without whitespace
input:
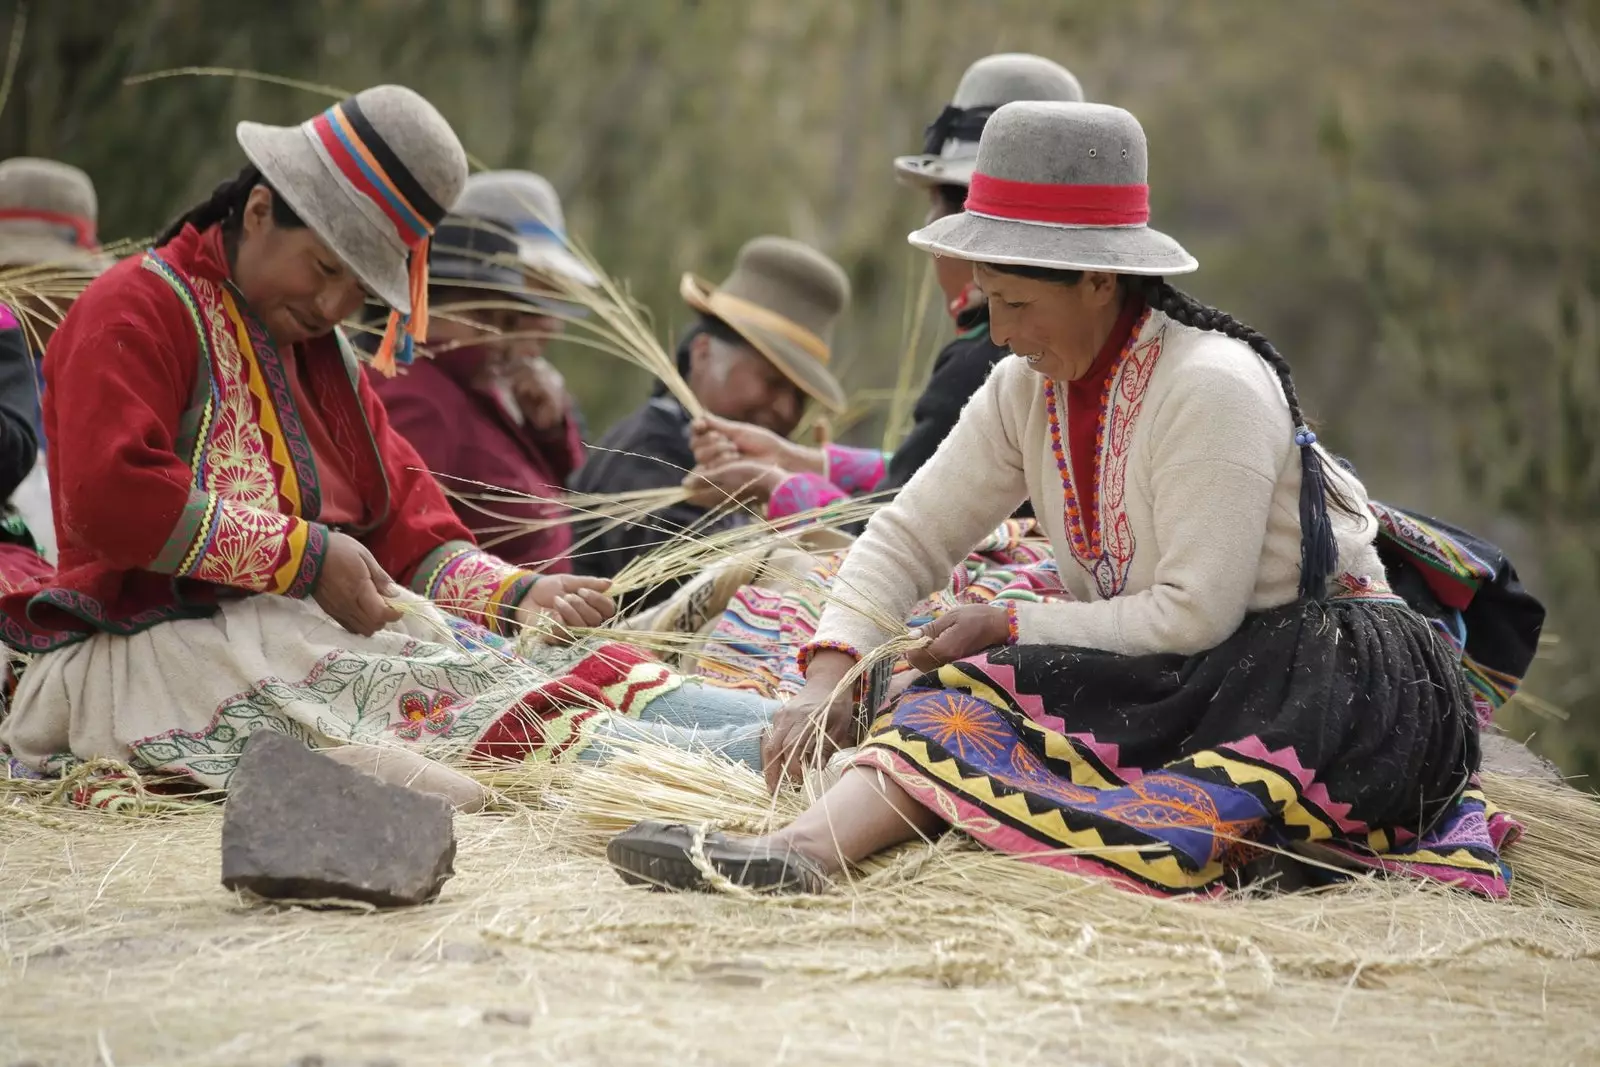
{"x":226,"y":205}
{"x":1319,"y":551}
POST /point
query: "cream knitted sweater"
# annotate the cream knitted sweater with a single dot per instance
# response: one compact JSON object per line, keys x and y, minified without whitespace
{"x":1199,"y":512}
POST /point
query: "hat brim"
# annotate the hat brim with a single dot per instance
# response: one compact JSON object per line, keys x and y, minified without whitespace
{"x":549,"y":257}
{"x":927,"y":172}
{"x":37,"y":250}
{"x":286,"y":159}
{"x":498,"y":281}
{"x":1119,"y":249}
{"x":794,"y":362}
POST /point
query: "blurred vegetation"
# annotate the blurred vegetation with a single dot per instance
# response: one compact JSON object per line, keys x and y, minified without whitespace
{"x":1406,"y":197}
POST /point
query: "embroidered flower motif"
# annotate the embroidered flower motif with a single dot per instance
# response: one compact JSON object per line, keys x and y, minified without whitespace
{"x":957,"y":722}
{"x":421,"y":713}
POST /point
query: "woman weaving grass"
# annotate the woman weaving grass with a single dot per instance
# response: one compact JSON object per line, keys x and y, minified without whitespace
{"x":232,"y":501}
{"x":1232,"y":666}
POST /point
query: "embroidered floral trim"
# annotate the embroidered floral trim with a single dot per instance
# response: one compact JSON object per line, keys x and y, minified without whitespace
{"x":1104,"y":547}
{"x":1349,"y":586}
{"x":281,"y":427}
{"x":854,"y":470}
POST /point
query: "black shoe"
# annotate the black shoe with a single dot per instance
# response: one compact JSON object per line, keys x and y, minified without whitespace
{"x":660,"y":854}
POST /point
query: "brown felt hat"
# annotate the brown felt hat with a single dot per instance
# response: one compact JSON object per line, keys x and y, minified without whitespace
{"x":784,"y":298}
{"x":48,"y":216}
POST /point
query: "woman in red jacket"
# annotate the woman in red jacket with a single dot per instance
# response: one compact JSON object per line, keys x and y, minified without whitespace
{"x":245,"y":542}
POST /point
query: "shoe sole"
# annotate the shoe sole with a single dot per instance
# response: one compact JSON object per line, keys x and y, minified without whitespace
{"x":663,"y":865}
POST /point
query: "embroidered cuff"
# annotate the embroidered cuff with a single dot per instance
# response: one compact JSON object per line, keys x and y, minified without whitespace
{"x":315,"y":552}
{"x":1013,"y":626}
{"x":853,"y":470}
{"x":808,"y":652}
{"x":467,"y":581}
{"x":219,"y":540}
{"x":800,"y":493}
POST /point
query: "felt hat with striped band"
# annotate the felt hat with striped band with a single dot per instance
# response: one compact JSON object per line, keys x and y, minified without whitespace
{"x":950,"y":143}
{"x":372,"y":176}
{"x":528,"y":204}
{"x":481,"y":254}
{"x":48,"y":215}
{"x":1063,"y":186}
{"x":783,"y":297}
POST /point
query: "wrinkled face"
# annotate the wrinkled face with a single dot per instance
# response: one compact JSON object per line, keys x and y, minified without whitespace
{"x":479,"y":341}
{"x":1058,"y":328}
{"x":295,"y":285}
{"x":737,"y":382}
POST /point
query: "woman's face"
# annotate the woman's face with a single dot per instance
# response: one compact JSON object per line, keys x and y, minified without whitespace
{"x":295,"y":285}
{"x":481,"y":345}
{"x":1058,"y":328}
{"x":736,"y":382}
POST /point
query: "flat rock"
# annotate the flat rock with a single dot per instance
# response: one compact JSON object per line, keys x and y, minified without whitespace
{"x":299,"y":826}
{"x":1507,"y":756}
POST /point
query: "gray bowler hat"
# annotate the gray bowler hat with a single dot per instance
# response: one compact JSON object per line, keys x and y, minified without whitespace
{"x":48,"y":216}
{"x":783,"y":297}
{"x":950,"y":144}
{"x":1060,"y":186}
{"x":528,"y":204}
{"x":372,"y":176}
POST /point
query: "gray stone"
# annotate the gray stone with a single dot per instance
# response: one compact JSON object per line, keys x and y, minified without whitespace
{"x":298,"y":826}
{"x":1507,"y":756}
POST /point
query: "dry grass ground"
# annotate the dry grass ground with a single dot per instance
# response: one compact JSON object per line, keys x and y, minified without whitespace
{"x":120,"y":947}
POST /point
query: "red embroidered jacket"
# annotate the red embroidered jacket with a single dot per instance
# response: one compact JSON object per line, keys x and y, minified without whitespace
{"x":182,"y":474}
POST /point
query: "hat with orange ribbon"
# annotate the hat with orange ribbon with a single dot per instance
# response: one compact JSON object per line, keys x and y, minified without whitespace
{"x":784,"y":298}
{"x":372,"y":176}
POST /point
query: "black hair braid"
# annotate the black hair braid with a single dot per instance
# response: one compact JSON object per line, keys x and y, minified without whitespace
{"x":225,"y":205}
{"x":1319,"y":551}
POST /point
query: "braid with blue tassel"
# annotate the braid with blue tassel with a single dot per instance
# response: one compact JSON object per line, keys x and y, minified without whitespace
{"x":1319,"y":552}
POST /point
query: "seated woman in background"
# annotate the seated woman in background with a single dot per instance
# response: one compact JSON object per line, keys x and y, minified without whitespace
{"x":786,"y":477}
{"x":20,"y":559}
{"x":49,"y":214}
{"x":236,"y":511}
{"x":1232,"y":666}
{"x":485,"y":411}
{"x":759,"y":351}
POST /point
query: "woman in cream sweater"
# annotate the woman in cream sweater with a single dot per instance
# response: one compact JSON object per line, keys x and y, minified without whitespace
{"x":1231,"y":667}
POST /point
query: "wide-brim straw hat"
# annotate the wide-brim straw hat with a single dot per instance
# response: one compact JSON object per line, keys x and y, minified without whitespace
{"x":1061,"y":186}
{"x":48,"y":216}
{"x":784,"y":298}
{"x":527,"y":203}
{"x":372,"y":176}
{"x":950,"y":143}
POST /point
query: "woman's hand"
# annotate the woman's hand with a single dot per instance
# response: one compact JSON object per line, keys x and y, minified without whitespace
{"x":570,"y":600}
{"x":352,"y":587}
{"x":744,"y":480}
{"x":540,"y":393}
{"x":958,"y":634}
{"x":816,"y":720}
{"x":717,"y":441}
